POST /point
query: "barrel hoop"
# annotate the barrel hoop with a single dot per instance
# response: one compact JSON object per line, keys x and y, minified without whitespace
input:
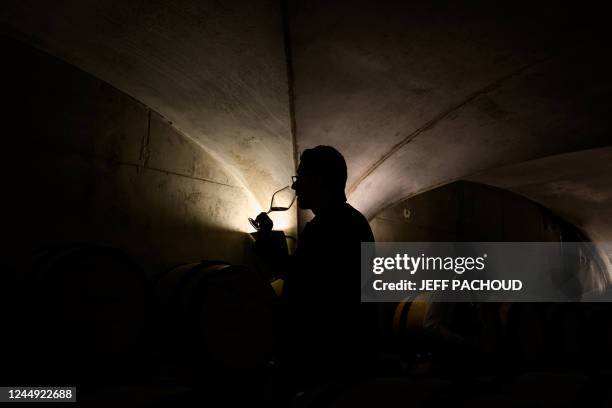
{"x":400,"y":313}
{"x":418,"y":310}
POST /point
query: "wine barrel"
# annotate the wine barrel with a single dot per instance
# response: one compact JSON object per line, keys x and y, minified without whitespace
{"x":419,"y":316}
{"x":83,"y":307}
{"x":409,"y":315}
{"x":218,"y":316}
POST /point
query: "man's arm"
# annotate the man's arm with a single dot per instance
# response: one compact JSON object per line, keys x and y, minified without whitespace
{"x":271,"y":247}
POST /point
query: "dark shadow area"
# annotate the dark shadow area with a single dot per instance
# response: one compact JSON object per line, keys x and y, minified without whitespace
{"x":129,"y":272}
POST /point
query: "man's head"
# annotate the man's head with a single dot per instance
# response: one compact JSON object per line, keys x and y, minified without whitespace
{"x":321,"y":178}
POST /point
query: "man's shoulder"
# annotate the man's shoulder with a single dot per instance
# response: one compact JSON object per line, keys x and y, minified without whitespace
{"x":354,"y":213}
{"x":346,"y":220}
{"x":359,"y":223}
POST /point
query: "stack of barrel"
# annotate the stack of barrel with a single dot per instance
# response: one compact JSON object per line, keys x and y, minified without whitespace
{"x":217,"y":320}
{"x":79,"y":316}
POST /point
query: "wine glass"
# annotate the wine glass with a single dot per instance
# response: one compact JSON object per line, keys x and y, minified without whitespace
{"x":282,"y":200}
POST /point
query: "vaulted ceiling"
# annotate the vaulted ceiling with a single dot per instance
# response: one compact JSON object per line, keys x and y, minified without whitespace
{"x":415,"y":94}
{"x":216,"y":70}
{"x":418,"y":94}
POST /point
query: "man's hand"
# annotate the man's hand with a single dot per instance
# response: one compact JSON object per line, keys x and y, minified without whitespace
{"x":264,"y":222}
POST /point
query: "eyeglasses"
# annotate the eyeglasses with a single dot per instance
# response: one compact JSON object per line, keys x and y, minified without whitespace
{"x":295,"y":179}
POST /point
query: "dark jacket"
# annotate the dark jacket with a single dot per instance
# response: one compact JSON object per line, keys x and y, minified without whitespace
{"x":327,"y":331}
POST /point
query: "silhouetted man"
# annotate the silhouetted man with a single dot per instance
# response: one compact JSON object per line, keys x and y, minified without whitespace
{"x":327,"y":333}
